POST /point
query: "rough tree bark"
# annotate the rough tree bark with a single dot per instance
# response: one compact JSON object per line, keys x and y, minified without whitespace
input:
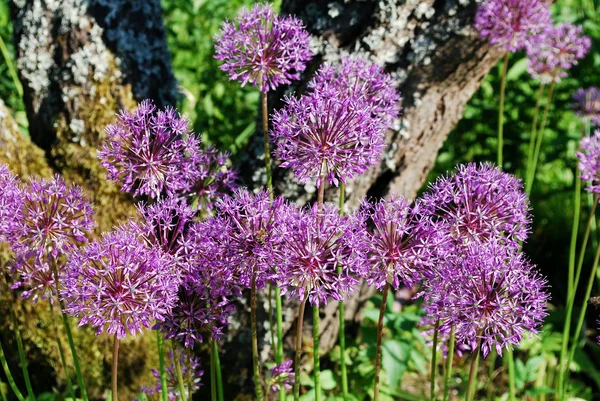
{"x":82,"y":60}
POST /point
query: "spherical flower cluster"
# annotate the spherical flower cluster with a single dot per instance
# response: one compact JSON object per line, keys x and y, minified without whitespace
{"x":262,"y":48}
{"x":363,"y":80}
{"x":313,"y":242}
{"x":145,"y":151}
{"x":120,"y":284}
{"x":490,"y":294}
{"x":557,"y":50}
{"x":586,"y":103}
{"x":403,"y":246}
{"x":282,"y":375}
{"x":589,"y":161}
{"x":208,"y":177}
{"x":479,"y":202}
{"x":190,"y":369}
{"x":327,"y":134}
{"x":11,"y":201}
{"x":512,"y":24}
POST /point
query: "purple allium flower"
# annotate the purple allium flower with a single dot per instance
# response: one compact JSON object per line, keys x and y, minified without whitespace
{"x":557,"y":50}
{"x":479,"y":202}
{"x":589,"y":161}
{"x":313,"y":243}
{"x":120,"y":284}
{"x":511,"y":24}
{"x":403,"y":246}
{"x":146,"y":151}
{"x":11,"y":202}
{"x":190,"y":367}
{"x":208,"y":177}
{"x":327,"y":133}
{"x":488,"y":293}
{"x":586,"y":103}
{"x":364,"y":80}
{"x":282,"y":375}
{"x":262,"y":48}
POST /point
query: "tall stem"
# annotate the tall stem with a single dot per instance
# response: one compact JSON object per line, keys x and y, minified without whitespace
{"x":501,"y":111}
{"x":22,"y":359}
{"x":9,"y":376}
{"x":279,"y":355}
{"x":161,"y":366}
{"x":511,"y":374}
{"x":448,"y":372}
{"x":316,"y":353}
{"x":473,"y":373}
{"x":571,"y":287}
{"x":61,"y":352}
{"x":586,"y":298}
{"x":265,"y":118}
{"x":257,"y":384}
{"x":298,"y":349}
{"x":178,"y":372}
{"x":341,"y":311}
{"x":384,"y":296}
{"x":490,"y":383}
{"x":67,"y":327}
{"x":11,"y":67}
{"x":540,"y":137}
{"x":114,"y":368}
{"x":213,"y":379}
{"x":434,"y":361}
{"x":533,"y":137}
{"x":218,"y":375}
{"x":272,"y":328}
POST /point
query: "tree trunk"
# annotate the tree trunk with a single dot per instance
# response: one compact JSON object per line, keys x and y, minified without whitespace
{"x":82,"y":60}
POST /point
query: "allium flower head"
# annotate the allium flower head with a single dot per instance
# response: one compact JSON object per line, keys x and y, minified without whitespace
{"x":282,"y":375}
{"x":586,"y":103}
{"x":479,"y":202}
{"x":262,"y":48}
{"x":364,"y":80}
{"x":11,"y":201}
{"x":489,"y":294}
{"x":190,"y":367}
{"x":119,"y":284}
{"x":208,"y":177}
{"x":403,"y":246}
{"x":589,"y":161}
{"x":146,"y":151}
{"x":511,"y":24}
{"x":313,"y":243}
{"x":327,"y":133}
{"x":556,"y":50}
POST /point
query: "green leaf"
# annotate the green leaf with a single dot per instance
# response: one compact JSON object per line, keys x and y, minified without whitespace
{"x":394,"y":360}
{"x":520,"y":374}
{"x":517,"y":69}
{"x":328,"y":381}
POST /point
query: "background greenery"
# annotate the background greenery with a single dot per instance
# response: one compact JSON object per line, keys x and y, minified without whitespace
{"x":225,"y":114}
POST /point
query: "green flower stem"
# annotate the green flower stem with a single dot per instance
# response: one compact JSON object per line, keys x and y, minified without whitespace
{"x":161,"y":366}
{"x":115,"y":373}
{"x":501,"y":111}
{"x":298,"y":349}
{"x":571,"y":286}
{"x":11,"y":67}
{"x":533,"y":137}
{"x":490,"y":383}
{"x":67,"y":327}
{"x":213,"y":379}
{"x":22,"y":359}
{"x":218,"y":375}
{"x":63,"y":360}
{"x":272,"y":329}
{"x":473,"y":373}
{"x":384,"y":296}
{"x":279,"y":355}
{"x":539,"y":139}
{"x":178,"y":372}
{"x":316,"y":353}
{"x":341,"y":312}
{"x":255,"y":364}
{"x":9,"y":376}
{"x":448,"y":372}
{"x":511,"y":374}
{"x":434,"y":361}
{"x":265,"y":118}
{"x":579,"y":326}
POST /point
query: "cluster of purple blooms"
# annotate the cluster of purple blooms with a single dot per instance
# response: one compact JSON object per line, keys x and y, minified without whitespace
{"x":513,"y":25}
